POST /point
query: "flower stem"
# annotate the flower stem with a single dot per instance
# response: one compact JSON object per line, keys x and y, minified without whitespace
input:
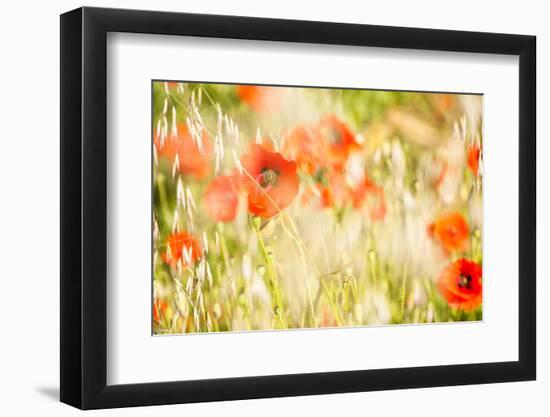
{"x":223,"y":246}
{"x":161,"y":183}
{"x":333,"y":306}
{"x":273,"y":281}
{"x":403,"y":292}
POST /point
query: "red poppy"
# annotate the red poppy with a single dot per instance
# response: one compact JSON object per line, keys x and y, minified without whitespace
{"x":270,"y":181}
{"x":183,"y":246}
{"x":372,"y":196}
{"x":451,"y":231}
{"x":266,"y":100}
{"x":339,"y":138}
{"x":335,"y":192}
{"x":193,"y":159}
{"x":160,"y":308}
{"x":473,"y":158}
{"x":443,"y":102}
{"x":460,"y":284}
{"x":221,"y":199}
{"x":304,"y":145}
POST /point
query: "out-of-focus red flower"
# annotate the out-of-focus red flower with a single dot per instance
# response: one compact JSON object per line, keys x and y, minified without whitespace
{"x":193,"y":159}
{"x":221,"y":199}
{"x":265,"y":100}
{"x":444,"y":102}
{"x":326,"y":144}
{"x":304,"y":145}
{"x":369,"y":194}
{"x":460,"y":283}
{"x":473,"y":158}
{"x":335,"y":192}
{"x":182,"y":246}
{"x":451,"y":231}
{"x":270,"y":181}
{"x":160,"y":308}
{"x":171,"y":84}
{"x":339,"y":138}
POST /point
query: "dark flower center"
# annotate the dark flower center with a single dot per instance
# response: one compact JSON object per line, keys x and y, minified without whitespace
{"x":320,"y":176}
{"x":465,"y":281}
{"x":268,"y":177}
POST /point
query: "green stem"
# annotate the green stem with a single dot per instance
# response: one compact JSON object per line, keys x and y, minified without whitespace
{"x":333,"y":306}
{"x":403,"y":292}
{"x":163,"y":199}
{"x":273,"y":281}
{"x":223,"y":247}
{"x":371,"y":254}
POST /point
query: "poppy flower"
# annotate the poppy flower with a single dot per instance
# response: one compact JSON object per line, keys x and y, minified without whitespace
{"x":369,"y":194}
{"x":221,"y":199}
{"x":193,"y":158}
{"x":451,"y":231}
{"x":270,"y":181}
{"x":443,"y":103}
{"x":339,"y":138}
{"x":303,"y":145}
{"x":460,"y":283}
{"x":265,"y":100}
{"x":335,"y":192}
{"x":182,"y":247}
{"x":473,"y":158}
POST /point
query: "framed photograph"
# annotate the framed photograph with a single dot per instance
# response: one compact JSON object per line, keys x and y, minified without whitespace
{"x":257,"y":208}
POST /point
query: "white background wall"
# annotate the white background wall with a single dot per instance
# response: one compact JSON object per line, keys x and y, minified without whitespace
{"x":29,"y":209}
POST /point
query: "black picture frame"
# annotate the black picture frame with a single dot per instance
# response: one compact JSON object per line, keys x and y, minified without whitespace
{"x":84,"y":207}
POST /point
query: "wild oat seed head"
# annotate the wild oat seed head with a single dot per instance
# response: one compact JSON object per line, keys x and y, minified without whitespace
{"x":180,"y":194}
{"x":258,"y":136}
{"x":205,"y":242}
{"x":155,"y":157}
{"x":165,"y":124}
{"x":175,"y":166}
{"x":247,"y":267}
{"x":190,"y":200}
{"x":237,"y":162}
{"x":175,"y":222}
{"x":174,"y":131}
{"x":187,"y":254}
{"x":209,"y":275}
{"x":158,"y":127}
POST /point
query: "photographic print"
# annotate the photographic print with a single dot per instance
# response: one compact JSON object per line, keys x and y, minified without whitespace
{"x":278,"y":207}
